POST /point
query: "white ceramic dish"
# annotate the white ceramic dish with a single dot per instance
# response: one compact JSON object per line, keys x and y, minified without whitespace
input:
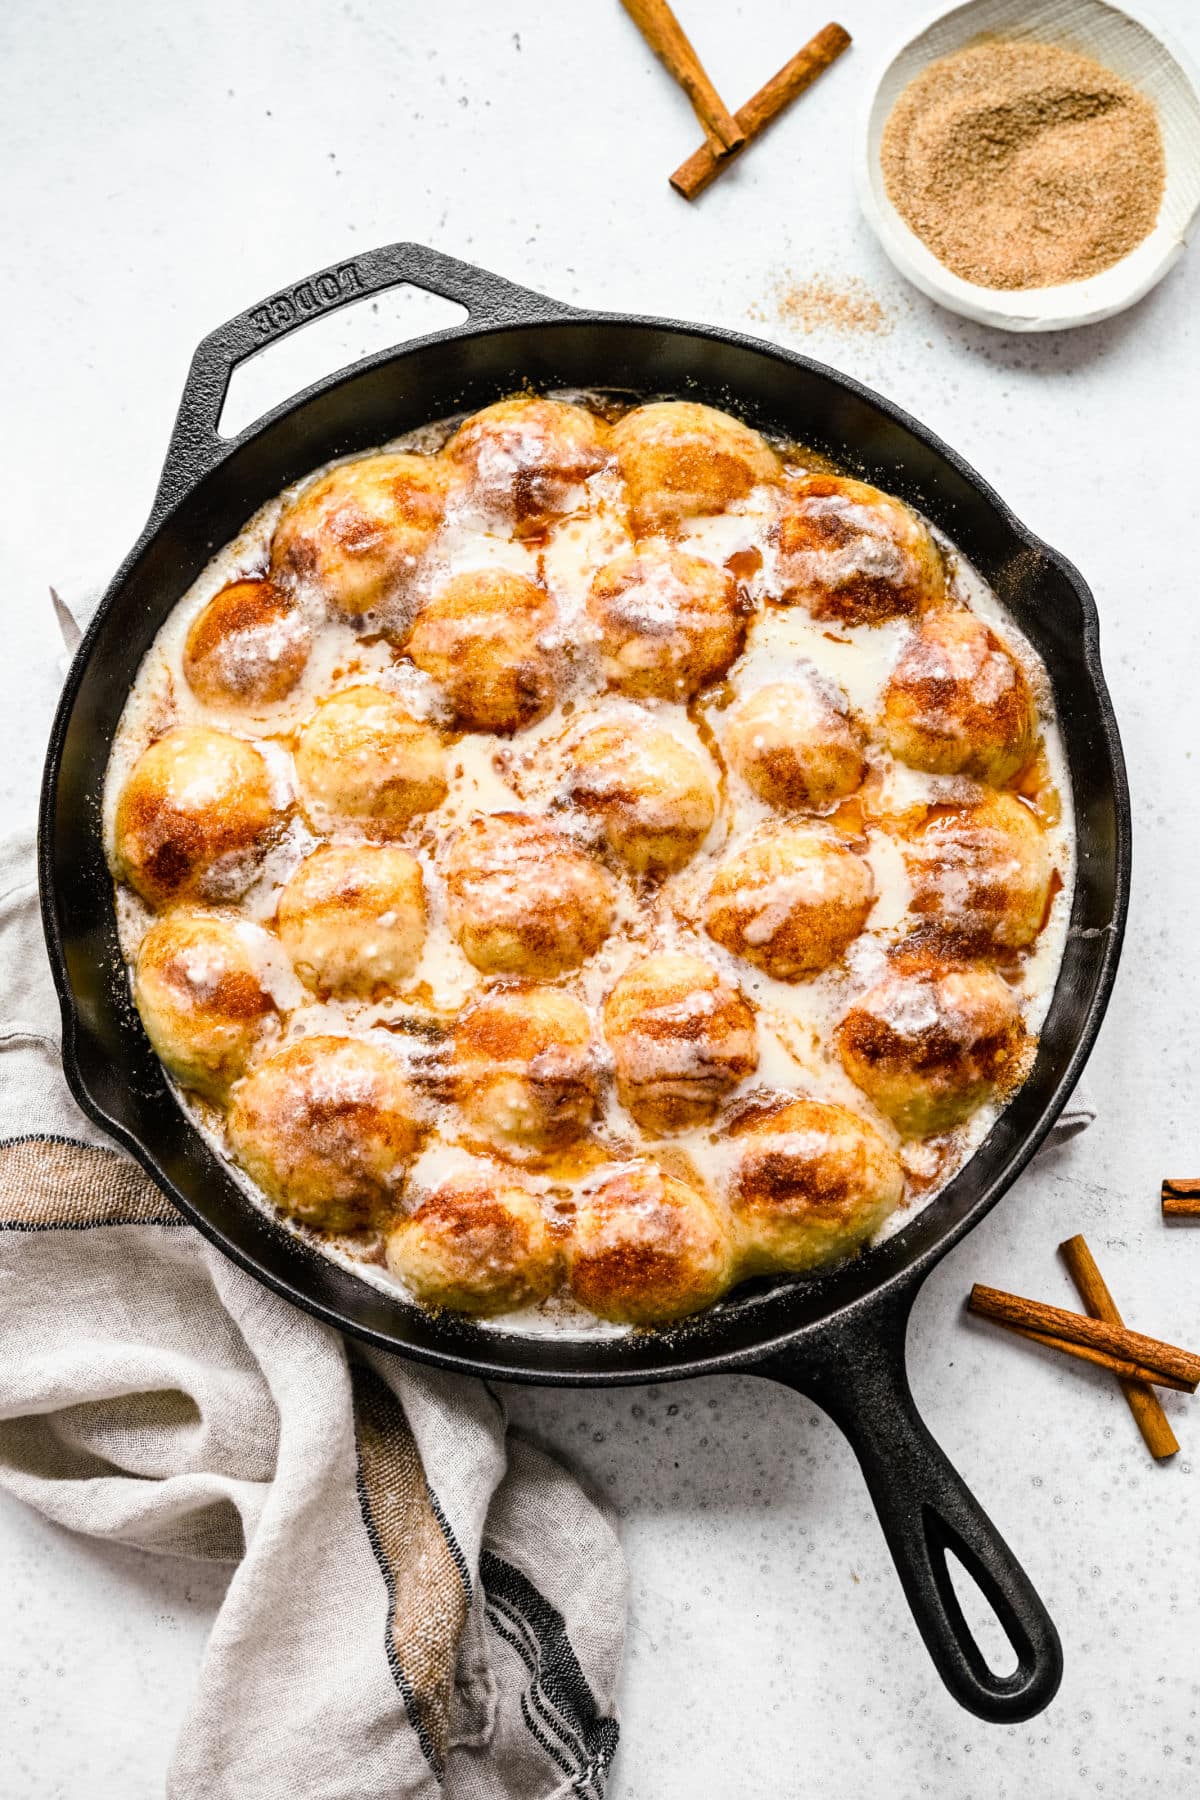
{"x":1126,"y":44}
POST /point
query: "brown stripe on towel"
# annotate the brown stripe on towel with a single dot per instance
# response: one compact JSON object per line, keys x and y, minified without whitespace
{"x":58,"y":1184}
{"x":421,"y":1565}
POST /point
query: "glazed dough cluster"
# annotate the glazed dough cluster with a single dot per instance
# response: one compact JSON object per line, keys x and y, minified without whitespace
{"x":519,"y":896}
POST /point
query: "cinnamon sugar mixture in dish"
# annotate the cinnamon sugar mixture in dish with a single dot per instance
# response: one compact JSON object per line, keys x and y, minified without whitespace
{"x":1022,"y":164}
{"x":586,"y":854}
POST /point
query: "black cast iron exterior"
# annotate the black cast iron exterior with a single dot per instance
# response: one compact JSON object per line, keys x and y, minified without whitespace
{"x":838,"y":1338}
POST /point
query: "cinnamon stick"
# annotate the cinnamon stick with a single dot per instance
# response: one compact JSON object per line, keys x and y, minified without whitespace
{"x":1147,"y":1411}
{"x":702,"y":167}
{"x":1181,"y":1199}
{"x":1100,"y":1359}
{"x":1075,"y":1328}
{"x":667,"y":38}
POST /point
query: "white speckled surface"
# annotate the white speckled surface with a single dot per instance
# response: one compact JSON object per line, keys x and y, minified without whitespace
{"x":176,"y":164}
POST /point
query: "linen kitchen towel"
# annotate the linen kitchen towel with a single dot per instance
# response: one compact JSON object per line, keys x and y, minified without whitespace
{"x":422,"y":1604}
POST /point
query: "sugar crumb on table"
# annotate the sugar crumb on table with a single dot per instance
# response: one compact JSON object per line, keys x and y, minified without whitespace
{"x":846,"y":306}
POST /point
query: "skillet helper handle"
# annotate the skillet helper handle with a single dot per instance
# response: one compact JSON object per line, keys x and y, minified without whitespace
{"x":927,"y":1511}
{"x":195,"y":446}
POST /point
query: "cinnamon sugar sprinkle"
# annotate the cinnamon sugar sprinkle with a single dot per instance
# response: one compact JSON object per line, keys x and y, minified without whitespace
{"x":847,"y":308}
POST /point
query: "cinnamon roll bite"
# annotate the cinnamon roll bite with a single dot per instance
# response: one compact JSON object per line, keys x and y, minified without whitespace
{"x":200,"y":990}
{"x":249,"y":647}
{"x":524,"y":1067}
{"x":666,"y":623}
{"x":681,"y":1039}
{"x":933,"y":1040}
{"x":194,"y":817}
{"x":485,"y":639}
{"x":524,"y":898}
{"x":326,"y":1127}
{"x":357,"y":538}
{"x":796,"y":743}
{"x":680,"y":461}
{"x":525,"y":461}
{"x":479,"y":1243}
{"x":352,"y":918}
{"x":957,"y":702}
{"x":981,"y":870}
{"x":813,"y":1183}
{"x":851,"y":554}
{"x":654,"y":798}
{"x":365,"y":765}
{"x":791,"y":901}
{"x":648,"y":1248}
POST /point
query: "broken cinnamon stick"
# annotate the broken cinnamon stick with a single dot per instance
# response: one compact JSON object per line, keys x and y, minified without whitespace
{"x":1181,"y":1199}
{"x":1100,"y":1359}
{"x":1076,"y":1328}
{"x":702,"y":167}
{"x":670,"y":43}
{"x":1147,"y":1411}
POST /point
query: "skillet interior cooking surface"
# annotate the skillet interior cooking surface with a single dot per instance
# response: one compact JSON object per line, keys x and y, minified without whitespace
{"x":840,"y":1336}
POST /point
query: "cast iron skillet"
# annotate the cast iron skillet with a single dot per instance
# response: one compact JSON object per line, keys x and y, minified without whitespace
{"x":839,"y":1338}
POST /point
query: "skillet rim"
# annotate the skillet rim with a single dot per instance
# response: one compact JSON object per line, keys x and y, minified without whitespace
{"x":485,"y":1355}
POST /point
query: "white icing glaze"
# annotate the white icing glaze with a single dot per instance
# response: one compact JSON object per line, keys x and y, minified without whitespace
{"x":847,"y":667}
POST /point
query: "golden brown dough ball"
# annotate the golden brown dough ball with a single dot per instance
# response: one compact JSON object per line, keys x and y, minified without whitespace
{"x":525,"y":899}
{"x":933,"y":1040}
{"x":851,"y":553}
{"x":796,"y":743}
{"x":790,"y":902}
{"x":525,"y":459}
{"x":814,"y":1181}
{"x":194,"y":817}
{"x":363,"y":763}
{"x":524,"y":1067}
{"x":326,"y":1127}
{"x":681,"y":461}
{"x":982,"y":870}
{"x":484,"y":640}
{"x":352,"y":919}
{"x":357,"y":537}
{"x":248,"y":647}
{"x":201,"y":998}
{"x":648,"y":1248}
{"x":653,"y":796}
{"x":667,"y":623}
{"x":478,"y":1244}
{"x":681,"y":1040}
{"x":957,"y":702}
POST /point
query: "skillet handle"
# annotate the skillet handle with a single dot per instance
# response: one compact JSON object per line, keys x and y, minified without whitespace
{"x":195,"y":447}
{"x":926,"y":1510}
